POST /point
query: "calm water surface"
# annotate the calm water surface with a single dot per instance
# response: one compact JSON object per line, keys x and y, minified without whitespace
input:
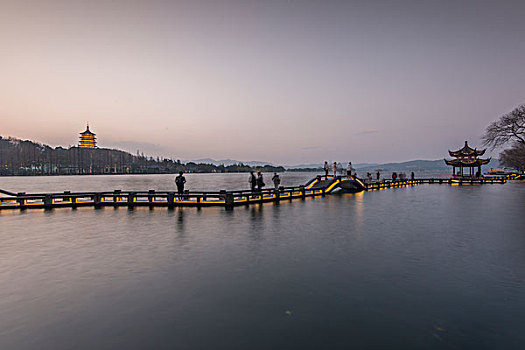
{"x":433,"y":266}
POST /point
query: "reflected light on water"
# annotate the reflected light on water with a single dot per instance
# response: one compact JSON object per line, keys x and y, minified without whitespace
{"x":379,"y":269}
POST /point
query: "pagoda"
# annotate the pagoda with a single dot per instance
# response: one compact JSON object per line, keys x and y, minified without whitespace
{"x":87,"y":139}
{"x":467,"y":157}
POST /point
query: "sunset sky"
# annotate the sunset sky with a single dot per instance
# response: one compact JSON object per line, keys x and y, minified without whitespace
{"x":287,"y":82}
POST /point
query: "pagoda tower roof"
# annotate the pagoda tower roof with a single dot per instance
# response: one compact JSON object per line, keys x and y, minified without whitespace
{"x":466,"y":151}
{"x":87,"y":132}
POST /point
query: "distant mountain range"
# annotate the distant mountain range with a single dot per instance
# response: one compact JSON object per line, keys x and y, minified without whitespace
{"x":419,"y":165}
{"x":412,"y":165}
{"x":256,"y":163}
{"x":227,"y":162}
{"x":320,"y":166}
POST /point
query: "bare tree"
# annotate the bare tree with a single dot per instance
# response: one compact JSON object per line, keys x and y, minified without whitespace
{"x":514,"y":157}
{"x":509,"y":128}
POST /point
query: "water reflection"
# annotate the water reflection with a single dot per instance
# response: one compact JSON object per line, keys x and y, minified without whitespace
{"x":380,"y":269}
{"x":180,"y":219}
{"x":257,"y":222}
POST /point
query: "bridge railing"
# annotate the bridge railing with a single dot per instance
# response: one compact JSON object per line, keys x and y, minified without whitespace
{"x":402,"y":183}
{"x":198,"y":198}
{"x":154,"y":197}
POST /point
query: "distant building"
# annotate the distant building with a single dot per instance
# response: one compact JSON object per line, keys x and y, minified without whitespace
{"x":467,"y":157}
{"x":87,"y":139}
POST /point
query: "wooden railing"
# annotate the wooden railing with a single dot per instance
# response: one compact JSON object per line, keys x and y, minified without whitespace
{"x":402,"y":183}
{"x":228,"y":199}
{"x":154,"y":198}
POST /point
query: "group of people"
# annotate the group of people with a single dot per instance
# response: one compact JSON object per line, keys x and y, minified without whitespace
{"x":402,"y":176}
{"x":350,"y":171}
{"x":257,"y":183}
{"x":395,"y":176}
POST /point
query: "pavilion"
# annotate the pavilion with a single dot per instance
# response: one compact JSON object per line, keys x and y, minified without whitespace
{"x":467,"y":157}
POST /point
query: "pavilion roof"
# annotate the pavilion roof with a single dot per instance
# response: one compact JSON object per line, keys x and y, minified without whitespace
{"x":467,"y":162}
{"x":466,"y":151}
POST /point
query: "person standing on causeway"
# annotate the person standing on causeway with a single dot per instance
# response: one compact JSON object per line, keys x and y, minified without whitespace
{"x":180,"y":181}
{"x":260,"y":181}
{"x":276,"y":180}
{"x":253,"y":181}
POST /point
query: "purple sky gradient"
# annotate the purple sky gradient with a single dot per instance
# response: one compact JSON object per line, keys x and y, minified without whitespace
{"x":282,"y":81}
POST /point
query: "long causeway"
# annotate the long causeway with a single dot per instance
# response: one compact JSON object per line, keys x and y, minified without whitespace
{"x":319,"y":186}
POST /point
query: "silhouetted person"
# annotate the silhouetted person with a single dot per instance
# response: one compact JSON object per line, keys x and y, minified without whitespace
{"x":326,"y":168}
{"x":253,"y":181}
{"x":180,"y":181}
{"x":349,"y":169}
{"x":394,"y":176}
{"x":260,"y":181}
{"x":334,"y":168}
{"x":276,"y":180}
{"x":412,"y":176}
{"x":378,"y":175}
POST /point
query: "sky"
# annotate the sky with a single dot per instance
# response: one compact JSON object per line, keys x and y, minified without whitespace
{"x":288,"y":82}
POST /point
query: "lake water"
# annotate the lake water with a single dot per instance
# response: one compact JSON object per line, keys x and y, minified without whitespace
{"x":430,"y":266}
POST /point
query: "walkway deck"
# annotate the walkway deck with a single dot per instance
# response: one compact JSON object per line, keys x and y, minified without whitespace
{"x":319,"y":186}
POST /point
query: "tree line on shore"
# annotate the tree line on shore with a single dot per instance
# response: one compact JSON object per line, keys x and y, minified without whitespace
{"x":23,"y":157}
